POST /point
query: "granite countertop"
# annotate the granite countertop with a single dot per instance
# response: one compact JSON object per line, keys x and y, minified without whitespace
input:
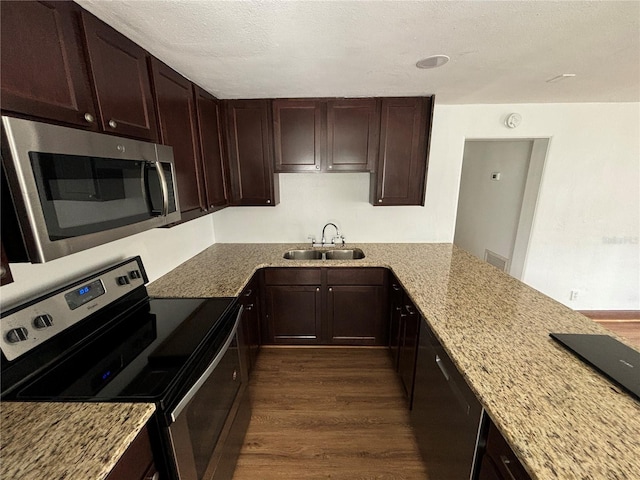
{"x":562,"y":419}
{"x":67,"y":440}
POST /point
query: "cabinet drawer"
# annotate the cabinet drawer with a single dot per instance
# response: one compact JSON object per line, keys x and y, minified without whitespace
{"x":292,"y":276}
{"x":356,"y":276}
{"x":503,"y":457}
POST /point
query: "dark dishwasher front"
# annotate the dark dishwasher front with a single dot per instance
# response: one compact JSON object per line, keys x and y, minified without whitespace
{"x":446,"y":415}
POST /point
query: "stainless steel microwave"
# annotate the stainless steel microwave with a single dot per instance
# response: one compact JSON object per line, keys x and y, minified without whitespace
{"x":73,"y":189}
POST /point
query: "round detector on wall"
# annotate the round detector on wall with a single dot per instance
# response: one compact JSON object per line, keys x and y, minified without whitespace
{"x":513,"y":120}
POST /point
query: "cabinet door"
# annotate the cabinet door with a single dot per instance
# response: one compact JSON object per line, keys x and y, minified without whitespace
{"x":5,"y":271}
{"x":251,"y":321}
{"x":178,"y":129}
{"x":213,"y":163}
{"x":352,"y":134}
{"x":121,"y":81}
{"x":250,"y":144}
{"x":43,"y":69}
{"x":297,"y":132}
{"x":293,"y":314}
{"x":137,"y":461}
{"x":396,"y":314}
{"x":356,"y":315}
{"x":402,"y":157}
{"x":409,"y":330}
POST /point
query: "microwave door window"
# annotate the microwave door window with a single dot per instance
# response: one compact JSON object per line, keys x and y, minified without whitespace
{"x":81,"y":195}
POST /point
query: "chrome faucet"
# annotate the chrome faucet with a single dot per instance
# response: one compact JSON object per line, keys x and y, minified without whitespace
{"x":338,"y":236}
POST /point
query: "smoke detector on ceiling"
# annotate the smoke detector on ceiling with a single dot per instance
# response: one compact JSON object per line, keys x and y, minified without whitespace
{"x":434,"y":61}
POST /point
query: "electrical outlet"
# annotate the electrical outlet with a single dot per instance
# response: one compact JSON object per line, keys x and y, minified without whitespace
{"x":573,"y":295}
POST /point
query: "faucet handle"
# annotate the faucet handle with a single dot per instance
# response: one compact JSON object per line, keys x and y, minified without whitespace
{"x":312,"y":238}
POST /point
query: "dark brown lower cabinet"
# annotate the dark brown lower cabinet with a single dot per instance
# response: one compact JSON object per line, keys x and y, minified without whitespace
{"x":250,"y":301}
{"x":326,"y":306}
{"x":137,"y":462}
{"x":356,"y":306}
{"x":396,"y":297}
{"x":499,"y":462}
{"x":409,"y":330}
{"x":293,"y":314}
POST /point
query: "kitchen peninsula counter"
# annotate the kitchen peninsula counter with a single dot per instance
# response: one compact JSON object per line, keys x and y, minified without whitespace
{"x":53,"y":441}
{"x":562,"y":419}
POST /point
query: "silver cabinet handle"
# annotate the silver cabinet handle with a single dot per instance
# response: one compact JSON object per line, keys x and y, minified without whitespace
{"x":330,"y":289}
{"x":317,"y":167}
{"x":268,"y":201}
{"x":249,"y":307}
{"x":318,"y":289}
{"x":379,"y":200}
{"x":89,"y":118}
{"x":248,"y":292}
{"x":506,"y":462}
{"x":113,"y":123}
{"x":207,"y":373}
{"x":442,"y":368}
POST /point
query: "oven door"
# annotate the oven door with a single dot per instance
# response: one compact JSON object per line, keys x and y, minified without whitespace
{"x":73,"y":189}
{"x":211,"y":416}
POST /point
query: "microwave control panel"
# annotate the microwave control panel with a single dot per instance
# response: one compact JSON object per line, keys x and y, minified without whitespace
{"x":30,"y":325}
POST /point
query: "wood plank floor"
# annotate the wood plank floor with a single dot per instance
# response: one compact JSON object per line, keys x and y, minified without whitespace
{"x":322,"y":413}
{"x":629,"y":329}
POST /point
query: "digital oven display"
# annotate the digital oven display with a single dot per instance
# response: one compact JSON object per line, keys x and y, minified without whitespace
{"x":84,"y":294}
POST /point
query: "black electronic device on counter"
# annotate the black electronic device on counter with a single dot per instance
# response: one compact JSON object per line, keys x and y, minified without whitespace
{"x":617,"y":361}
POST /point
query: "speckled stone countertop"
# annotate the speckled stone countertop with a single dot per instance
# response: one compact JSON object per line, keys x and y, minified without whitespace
{"x":66,"y":440}
{"x":563,"y":420}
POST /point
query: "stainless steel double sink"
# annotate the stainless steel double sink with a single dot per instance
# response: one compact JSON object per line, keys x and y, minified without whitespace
{"x":335,"y":254}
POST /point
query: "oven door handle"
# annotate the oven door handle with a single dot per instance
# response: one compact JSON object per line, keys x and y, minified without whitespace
{"x":207,"y":373}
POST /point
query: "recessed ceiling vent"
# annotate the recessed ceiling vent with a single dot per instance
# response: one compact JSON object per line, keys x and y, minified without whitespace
{"x":433,"y":61}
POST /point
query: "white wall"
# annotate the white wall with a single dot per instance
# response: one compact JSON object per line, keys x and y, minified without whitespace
{"x":161,"y":250}
{"x":489,"y":210}
{"x":586,"y":227}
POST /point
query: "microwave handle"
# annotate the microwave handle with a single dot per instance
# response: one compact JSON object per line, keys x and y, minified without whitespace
{"x":164,"y":188}
{"x":207,"y":373}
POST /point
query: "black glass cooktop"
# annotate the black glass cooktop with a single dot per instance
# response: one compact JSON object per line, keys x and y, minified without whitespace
{"x":614,"y":359}
{"x":140,"y":358}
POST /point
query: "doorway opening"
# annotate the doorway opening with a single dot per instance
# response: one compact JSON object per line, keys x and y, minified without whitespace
{"x":498,"y":195}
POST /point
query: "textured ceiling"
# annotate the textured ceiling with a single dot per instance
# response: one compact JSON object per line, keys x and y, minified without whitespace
{"x":501,"y":52}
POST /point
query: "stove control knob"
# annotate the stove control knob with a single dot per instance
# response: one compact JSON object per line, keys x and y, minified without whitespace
{"x":16,"y":335}
{"x":122,"y":280}
{"x":43,"y":321}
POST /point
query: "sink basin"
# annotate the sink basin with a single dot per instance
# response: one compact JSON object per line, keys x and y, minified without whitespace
{"x":345,"y":254}
{"x":337,"y":254}
{"x":303,"y":255}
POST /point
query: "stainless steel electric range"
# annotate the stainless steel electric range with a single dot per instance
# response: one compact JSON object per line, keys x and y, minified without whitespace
{"x":101,"y":338}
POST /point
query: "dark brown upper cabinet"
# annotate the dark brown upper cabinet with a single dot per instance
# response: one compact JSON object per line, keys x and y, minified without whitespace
{"x":5,"y":270}
{"x":402,"y":157}
{"x":121,"y":80}
{"x":353,"y":125}
{"x":250,"y":148}
{"x":43,"y":69}
{"x":298,"y":135}
{"x":178,"y":129}
{"x":211,"y":141}
{"x":334,"y":135}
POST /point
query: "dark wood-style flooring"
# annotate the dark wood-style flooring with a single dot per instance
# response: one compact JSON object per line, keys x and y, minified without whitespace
{"x":629,"y":329}
{"x":321,"y":413}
